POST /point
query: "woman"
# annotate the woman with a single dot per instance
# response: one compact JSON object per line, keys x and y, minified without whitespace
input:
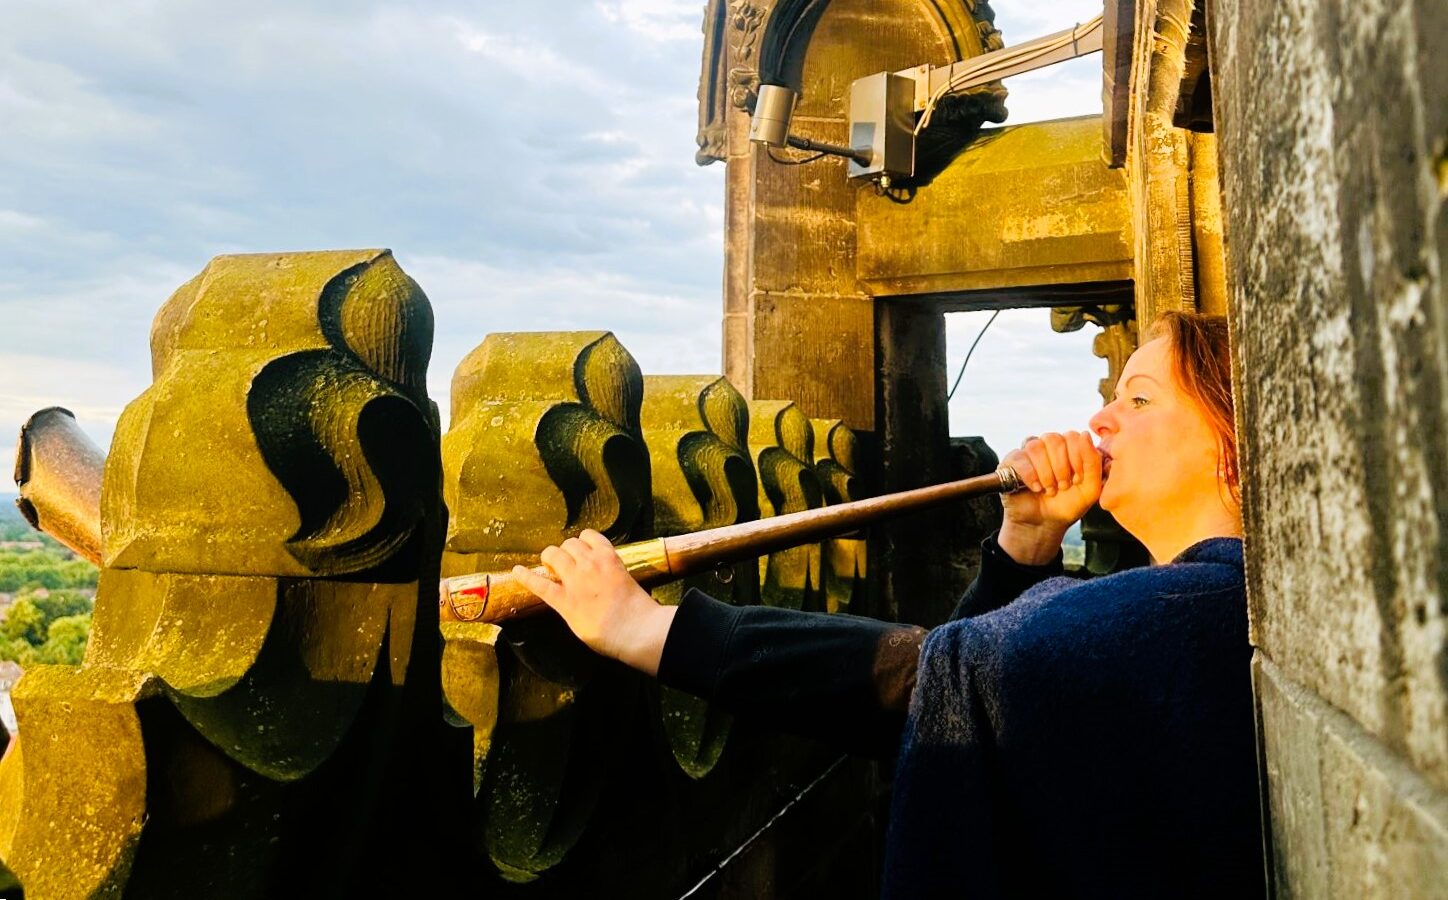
{"x":1057,"y":737}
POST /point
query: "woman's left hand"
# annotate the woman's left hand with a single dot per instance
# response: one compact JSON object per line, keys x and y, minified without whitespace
{"x":1062,"y":475}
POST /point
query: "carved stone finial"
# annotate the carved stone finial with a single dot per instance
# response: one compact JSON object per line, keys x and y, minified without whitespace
{"x":287,"y":435}
{"x":782,"y":443}
{"x":1116,"y":342}
{"x":844,"y":557}
{"x":263,"y":345}
{"x":545,"y":442}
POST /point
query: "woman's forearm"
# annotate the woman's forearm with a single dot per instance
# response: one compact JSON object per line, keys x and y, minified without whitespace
{"x":642,"y":645}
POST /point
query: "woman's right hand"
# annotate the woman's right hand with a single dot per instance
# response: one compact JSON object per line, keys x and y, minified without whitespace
{"x":1062,"y":475}
{"x":601,"y":602}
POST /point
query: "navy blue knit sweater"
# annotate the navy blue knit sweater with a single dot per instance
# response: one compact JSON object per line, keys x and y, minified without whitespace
{"x":1060,"y":738}
{"x":1088,"y":739}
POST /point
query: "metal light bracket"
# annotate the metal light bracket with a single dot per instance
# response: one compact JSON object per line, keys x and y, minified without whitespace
{"x":889,"y":109}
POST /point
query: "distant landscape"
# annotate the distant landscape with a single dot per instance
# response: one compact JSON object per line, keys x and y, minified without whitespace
{"x":46,"y":594}
{"x":1073,"y":548}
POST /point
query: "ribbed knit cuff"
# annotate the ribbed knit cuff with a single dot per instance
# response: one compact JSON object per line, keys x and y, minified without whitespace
{"x":697,"y":643}
{"x":1002,"y":576}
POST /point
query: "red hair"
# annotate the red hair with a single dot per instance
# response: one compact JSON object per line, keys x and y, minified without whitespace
{"x":1202,"y":361}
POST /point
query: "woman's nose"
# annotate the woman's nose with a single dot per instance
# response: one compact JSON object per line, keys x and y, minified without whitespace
{"x":1104,"y":422}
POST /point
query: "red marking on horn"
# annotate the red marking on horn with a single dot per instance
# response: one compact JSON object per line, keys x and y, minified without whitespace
{"x":457,"y":600}
{"x":480,"y":592}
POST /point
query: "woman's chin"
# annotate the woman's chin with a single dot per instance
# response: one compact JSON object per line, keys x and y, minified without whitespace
{"x":1108,"y":498}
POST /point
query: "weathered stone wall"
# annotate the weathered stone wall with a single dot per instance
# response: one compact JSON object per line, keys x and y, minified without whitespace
{"x":797,"y":323}
{"x":1158,"y":161}
{"x":799,"y":319}
{"x":1332,"y":119}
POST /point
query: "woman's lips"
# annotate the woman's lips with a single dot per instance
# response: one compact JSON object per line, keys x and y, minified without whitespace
{"x":1105,"y":464}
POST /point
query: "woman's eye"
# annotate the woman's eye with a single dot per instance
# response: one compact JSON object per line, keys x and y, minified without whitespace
{"x":1139,"y":402}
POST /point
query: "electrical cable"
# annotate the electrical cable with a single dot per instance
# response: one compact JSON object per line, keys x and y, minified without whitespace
{"x":961,"y":374}
{"x":786,"y":161}
{"x":1003,"y":60}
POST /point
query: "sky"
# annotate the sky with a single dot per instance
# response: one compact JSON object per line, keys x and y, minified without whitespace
{"x":530,"y":172}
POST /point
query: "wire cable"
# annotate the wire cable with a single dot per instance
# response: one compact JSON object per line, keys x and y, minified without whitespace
{"x":961,"y":374}
{"x":786,"y":161}
{"x":1003,"y":60}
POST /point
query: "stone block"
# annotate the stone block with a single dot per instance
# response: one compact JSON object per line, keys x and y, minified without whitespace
{"x":1349,"y":817}
{"x":69,"y":830}
{"x":803,"y":229}
{"x":819,"y":351}
{"x":1024,"y":206}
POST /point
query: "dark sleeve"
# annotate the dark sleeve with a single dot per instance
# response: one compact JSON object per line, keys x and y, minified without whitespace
{"x":1001,"y":580}
{"x":842,"y":679}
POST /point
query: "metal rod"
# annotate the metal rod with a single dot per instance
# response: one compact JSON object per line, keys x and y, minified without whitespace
{"x":862,"y":157}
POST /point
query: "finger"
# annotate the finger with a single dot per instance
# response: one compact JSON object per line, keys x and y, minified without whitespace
{"x":1076,"y":455}
{"x":1091,"y":472}
{"x":577,"y":550}
{"x":549,"y":590}
{"x":601,"y":548}
{"x":1060,"y":459}
{"x":1041,"y":463}
{"x":596,"y":541}
{"x":560,"y":562}
{"x":1025,"y":471}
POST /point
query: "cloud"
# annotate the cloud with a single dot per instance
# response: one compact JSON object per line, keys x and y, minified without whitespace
{"x":666,"y":330}
{"x":95,"y":391}
{"x":531,"y":171}
{"x":1063,"y":91}
{"x":1020,"y":22}
{"x":658,"y":20}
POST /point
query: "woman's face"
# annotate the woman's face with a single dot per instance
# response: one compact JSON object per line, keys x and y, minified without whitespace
{"x":1159,"y":454}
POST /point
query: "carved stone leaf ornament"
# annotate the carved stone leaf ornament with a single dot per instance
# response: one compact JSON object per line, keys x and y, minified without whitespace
{"x":781,"y":440}
{"x":1116,"y":341}
{"x":844,"y":563}
{"x":697,"y":432}
{"x":745,"y":21}
{"x":545,"y":441}
{"x":269,"y":511}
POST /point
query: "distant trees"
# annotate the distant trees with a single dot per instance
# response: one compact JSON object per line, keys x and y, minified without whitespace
{"x":51,"y":565}
{"x":47,"y":568}
{"x":49,"y":619}
{"x":46,"y":627}
{"x":14,"y":528}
